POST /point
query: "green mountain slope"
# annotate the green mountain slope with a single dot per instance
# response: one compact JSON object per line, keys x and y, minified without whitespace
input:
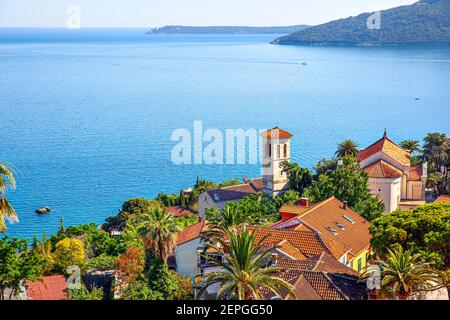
{"x":426,"y":21}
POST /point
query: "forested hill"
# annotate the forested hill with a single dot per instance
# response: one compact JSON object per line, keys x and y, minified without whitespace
{"x":226,"y":30}
{"x":426,"y":21}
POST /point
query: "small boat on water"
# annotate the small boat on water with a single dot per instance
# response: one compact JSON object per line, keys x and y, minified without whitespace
{"x":43,"y":210}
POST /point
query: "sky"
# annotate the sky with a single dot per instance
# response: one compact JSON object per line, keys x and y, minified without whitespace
{"x":157,"y":13}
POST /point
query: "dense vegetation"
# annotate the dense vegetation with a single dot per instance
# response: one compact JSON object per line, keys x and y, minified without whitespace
{"x":427,"y":21}
{"x":424,"y":230}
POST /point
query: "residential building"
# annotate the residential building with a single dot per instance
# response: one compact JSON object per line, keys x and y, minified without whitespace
{"x":320,"y":277}
{"x":335,"y":220}
{"x":218,"y":198}
{"x":189,"y":243}
{"x":391,"y":176}
{"x":50,"y":288}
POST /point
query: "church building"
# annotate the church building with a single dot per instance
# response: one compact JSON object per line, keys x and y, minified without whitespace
{"x":391,"y":176}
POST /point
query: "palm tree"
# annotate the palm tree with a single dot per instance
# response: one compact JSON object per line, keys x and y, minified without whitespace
{"x":405,"y":274}
{"x":433,"y":180}
{"x":158,"y":230}
{"x":227,"y":220}
{"x":411,"y":146}
{"x":7,"y":181}
{"x":245,"y":274}
{"x":347,"y":148}
{"x":436,"y":152}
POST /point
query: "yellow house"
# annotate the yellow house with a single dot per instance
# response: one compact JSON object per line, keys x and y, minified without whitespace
{"x":333,"y":220}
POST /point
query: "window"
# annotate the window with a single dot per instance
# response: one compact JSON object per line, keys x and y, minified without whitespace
{"x":359,"y":264}
{"x":269,"y":150}
{"x":343,"y":259}
{"x":340,"y":225}
{"x":285,"y":150}
{"x":278,"y":151}
{"x":332,"y":230}
{"x":348,"y":219}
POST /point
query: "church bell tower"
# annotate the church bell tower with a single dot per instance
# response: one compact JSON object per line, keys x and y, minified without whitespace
{"x":276,"y":149}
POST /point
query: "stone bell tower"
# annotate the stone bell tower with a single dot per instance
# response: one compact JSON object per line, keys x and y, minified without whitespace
{"x":276,"y":149}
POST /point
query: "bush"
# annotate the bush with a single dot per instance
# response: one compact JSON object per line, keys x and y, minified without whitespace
{"x":140,"y":291}
{"x":102,"y":262}
{"x":84,"y":294}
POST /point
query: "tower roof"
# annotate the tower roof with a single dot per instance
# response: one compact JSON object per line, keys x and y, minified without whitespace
{"x":276,"y":133}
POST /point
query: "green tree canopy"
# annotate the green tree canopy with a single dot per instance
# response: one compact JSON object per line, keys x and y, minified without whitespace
{"x":424,"y":230}
{"x":18,"y":263}
{"x":347,"y":183}
{"x":299,"y":178}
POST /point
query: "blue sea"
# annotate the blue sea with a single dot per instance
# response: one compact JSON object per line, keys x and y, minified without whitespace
{"x":87,"y":116}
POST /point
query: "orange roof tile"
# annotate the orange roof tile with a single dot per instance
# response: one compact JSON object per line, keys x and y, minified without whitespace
{"x":190,"y":233}
{"x":389,"y":148}
{"x":330,"y":213}
{"x":289,"y":249}
{"x":321,"y":277}
{"x":307,"y":242}
{"x":52,"y":288}
{"x":443,"y":198}
{"x":276,"y":133}
{"x":382,"y":169}
{"x":178,"y":211}
{"x":293,"y":209}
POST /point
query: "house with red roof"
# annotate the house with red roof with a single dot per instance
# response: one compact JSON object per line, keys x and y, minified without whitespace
{"x":50,"y":288}
{"x":189,"y":244}
{"x":343,"y":232}
{"x":391,"y":176}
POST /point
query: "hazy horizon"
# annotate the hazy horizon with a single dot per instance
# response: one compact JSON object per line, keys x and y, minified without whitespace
{"x":100,"y":14}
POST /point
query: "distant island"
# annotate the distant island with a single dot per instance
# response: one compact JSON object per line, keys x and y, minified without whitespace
{"x":226,"y":30}
{"x":426,"y":21}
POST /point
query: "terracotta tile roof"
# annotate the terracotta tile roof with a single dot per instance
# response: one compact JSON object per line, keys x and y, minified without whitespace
{"x":289,"y":249}
{"x":52,"y":288}
{"x":190,"y":233}
{"x":382,"y":169}
{"x":236,"y":192}
{"x":178,"y":211}
{"x":415,"y":173}
{"x":443,"y":198}
{"x":330,"y":213}
{"x":320,"y":278}
{"x":307,"y":242}
{"x":389,"y":148}
{"x":276,"y":133}
{"x":293,"y":209}
{"x":320,"y":285}
{"x":290,"y":264}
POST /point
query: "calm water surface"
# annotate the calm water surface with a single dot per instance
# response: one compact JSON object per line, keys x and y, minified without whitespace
{"x":87,"y":116}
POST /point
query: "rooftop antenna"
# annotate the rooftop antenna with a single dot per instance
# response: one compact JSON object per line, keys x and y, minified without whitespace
{"x":385,"y":133}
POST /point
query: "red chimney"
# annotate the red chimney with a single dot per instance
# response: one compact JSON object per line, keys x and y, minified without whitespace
{"x":345,"y":205}
{"x":304,"y":202}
